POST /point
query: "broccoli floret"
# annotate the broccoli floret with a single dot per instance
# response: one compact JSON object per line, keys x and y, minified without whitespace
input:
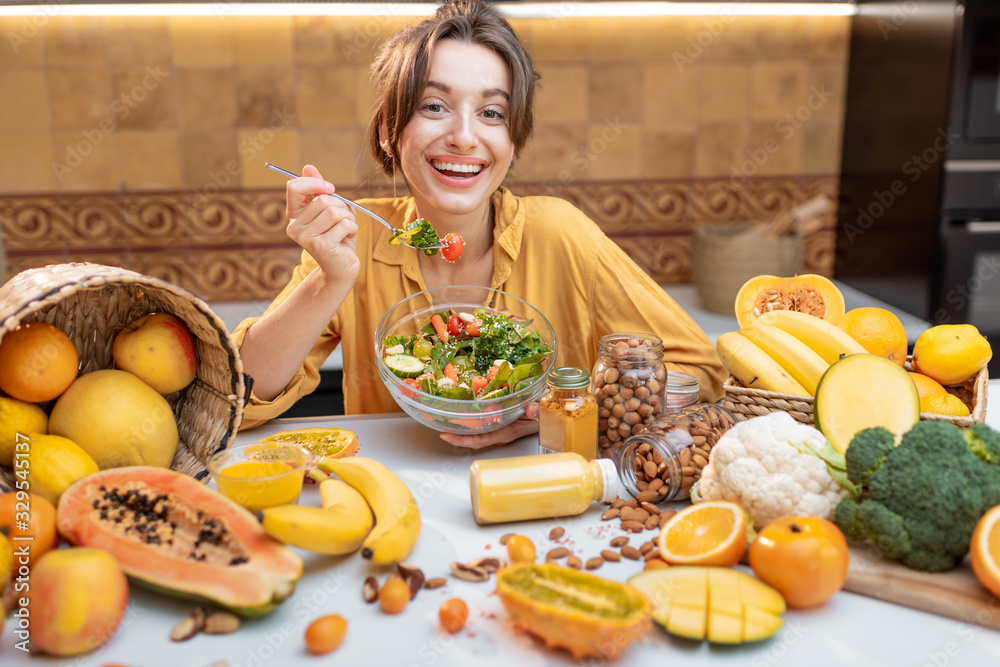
{"x":926,"y":495}
{"x":867,"y":453}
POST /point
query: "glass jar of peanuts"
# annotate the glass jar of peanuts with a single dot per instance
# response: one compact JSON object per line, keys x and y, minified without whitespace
{"x":629,"y":382}
{"x":567,"y":415}
{"x":662,"y":460}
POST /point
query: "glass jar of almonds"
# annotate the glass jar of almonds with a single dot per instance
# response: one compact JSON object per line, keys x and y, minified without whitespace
{"x":662,"y":460}
{"x":629,"y":383}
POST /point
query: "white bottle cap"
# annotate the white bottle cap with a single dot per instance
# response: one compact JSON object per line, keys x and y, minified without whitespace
{"x":609,"y":473}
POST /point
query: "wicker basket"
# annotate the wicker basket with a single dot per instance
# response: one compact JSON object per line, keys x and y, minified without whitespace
{"x":91,"y":302}
{"x":745,"y":403}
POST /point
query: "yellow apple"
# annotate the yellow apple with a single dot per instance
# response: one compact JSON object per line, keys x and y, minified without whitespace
{"x":159,"y":350}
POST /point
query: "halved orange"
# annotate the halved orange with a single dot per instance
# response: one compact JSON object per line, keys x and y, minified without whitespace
{"x":709,"y":533}
{"x":984,"y":551}
{"x":328,"y":442}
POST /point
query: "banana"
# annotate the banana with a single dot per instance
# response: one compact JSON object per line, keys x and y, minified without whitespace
{"x":339,"y":527}
{"x":793,"y":355}
{"x":753,"y":367}
{"x":397,"y":517}
{"x":824,"y":338}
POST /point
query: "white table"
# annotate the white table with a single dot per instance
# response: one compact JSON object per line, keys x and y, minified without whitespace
{"x":848,"y":630}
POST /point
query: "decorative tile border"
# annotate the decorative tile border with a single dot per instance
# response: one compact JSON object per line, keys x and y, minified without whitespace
{"x":232,"y":246}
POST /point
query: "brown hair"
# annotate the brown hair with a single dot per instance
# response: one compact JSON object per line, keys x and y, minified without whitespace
{"x":400,"y":71}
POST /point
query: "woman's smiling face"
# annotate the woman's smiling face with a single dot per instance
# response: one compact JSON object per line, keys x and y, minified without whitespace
{"x":456,"y":149}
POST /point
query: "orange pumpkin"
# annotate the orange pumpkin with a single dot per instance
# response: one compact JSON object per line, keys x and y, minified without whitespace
{"x":809,"y":293}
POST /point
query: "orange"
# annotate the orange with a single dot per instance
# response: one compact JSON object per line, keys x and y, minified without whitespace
{"x":984,"y":550}
{"x":709,"y":533}
{"x":944,"y":404}
{"x":878,"y":330}
{"x":37,"y":362}
{"x":40,"y":525}
{"x":927,"y":386}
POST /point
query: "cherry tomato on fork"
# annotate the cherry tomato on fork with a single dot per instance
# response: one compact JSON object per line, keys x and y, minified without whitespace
{"x":453,"y":245}
{"x":455,"y":326}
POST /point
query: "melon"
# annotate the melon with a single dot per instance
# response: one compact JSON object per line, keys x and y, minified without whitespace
{"x":173,"y":534}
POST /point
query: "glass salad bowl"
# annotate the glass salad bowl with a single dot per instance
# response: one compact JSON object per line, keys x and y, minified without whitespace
{"x":447,"y":385}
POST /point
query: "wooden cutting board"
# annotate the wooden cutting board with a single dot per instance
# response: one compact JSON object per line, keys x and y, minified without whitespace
{"x":956,"y":594}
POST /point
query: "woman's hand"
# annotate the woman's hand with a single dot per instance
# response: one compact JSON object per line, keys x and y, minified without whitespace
{"x":526,"y":425}
{"x":323,"y":226}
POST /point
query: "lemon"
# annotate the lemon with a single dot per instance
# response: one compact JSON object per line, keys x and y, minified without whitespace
{"x":944,"y":404}
{"x":18,"y":417}
{"x":55,"y":463}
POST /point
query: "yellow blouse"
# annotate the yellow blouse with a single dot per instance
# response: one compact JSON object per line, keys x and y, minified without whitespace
{"x":547,"y":252}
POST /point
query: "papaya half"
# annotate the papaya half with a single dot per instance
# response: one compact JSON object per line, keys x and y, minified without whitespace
{"x":809,"y":293}
{"x":173,"y":534}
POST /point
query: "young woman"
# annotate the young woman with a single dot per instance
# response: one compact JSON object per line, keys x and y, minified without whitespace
{"x":453,"y":109}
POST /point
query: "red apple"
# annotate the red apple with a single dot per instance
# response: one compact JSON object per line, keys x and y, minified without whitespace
{"x":159,"y":350}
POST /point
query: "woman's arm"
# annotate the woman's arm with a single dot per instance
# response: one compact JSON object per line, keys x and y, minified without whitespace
{"x":275,"y":347}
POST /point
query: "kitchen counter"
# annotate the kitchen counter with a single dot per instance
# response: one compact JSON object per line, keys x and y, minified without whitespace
{"x":685,"y":294}
{"x":847,"y":630}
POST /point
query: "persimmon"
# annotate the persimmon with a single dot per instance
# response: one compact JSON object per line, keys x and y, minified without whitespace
{"x":38,"y":362}
{"x":803,"y":558}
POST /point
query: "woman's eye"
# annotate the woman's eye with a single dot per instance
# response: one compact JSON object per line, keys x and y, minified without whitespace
{"x":493,"y":114}
{"x":433,"y":107}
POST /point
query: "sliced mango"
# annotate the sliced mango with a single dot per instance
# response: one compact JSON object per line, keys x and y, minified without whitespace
{"x":722,"y":605}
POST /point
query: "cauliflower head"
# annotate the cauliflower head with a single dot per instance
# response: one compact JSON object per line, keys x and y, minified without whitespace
{"x":772,"y":466}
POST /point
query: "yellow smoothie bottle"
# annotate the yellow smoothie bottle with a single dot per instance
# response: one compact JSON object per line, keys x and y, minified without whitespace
{"x":538,"y":487}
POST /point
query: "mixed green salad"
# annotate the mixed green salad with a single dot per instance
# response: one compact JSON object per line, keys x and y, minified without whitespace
{"x":480,"y":355}
{"x":420,"y":234}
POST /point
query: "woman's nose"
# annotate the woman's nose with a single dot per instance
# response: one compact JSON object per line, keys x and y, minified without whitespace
{"x":462,"y":133}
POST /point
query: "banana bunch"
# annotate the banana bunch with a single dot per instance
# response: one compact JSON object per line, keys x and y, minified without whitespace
{"x":784,"y":351}
{"x":344,"y":523}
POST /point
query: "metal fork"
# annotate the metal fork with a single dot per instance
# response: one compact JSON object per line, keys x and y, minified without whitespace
{"x":373,"y":216}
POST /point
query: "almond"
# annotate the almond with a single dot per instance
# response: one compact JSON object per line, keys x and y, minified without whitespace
{"x":652,"y":521}
{"x":435,"y":582}
{"x":594,"y":563}
{"x":609,"y":555}
{"x":557,"y":553}
{"x":556,"y":533}
{"x":619,"y":541}
{"x":221,"y":623}
{"x":631,"y":553}
{"x":607,"y":515}
{"x":652,"y":553}
{"x":574,"y":562}
{"x":505,"y":537}
{"x":645,"y":496}
{"x":646,"y":546}
{"x":632,"y":526}
{"x":617,"y":503}
{"x":650,"y":508}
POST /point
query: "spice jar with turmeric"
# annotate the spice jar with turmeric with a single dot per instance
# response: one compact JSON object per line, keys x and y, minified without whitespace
{"x":567,"y":418}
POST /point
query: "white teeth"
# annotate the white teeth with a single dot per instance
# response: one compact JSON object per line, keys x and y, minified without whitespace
{"x":464,"y":168}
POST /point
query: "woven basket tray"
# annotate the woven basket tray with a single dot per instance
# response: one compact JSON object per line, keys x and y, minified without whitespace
{"x":745,"y":403}
{"x":91,"y":302}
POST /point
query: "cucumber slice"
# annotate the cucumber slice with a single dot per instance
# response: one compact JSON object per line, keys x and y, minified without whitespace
{"x":404,"y":365}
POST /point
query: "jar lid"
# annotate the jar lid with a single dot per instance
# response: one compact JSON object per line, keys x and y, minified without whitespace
{"x":609,"y":475}
{"x":678,"y":381}
{"x":568,"y":377}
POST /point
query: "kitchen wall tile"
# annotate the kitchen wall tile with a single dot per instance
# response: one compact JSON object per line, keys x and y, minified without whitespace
{"x":32,"y":170}
{"x":138,"y":41}
{"x":337,"y":153}
{"x":616,"y":93}
{"x":364,"y":100}
{"x":669,"y":152}
{"x":203,"y":41}
{"x":80,"y":98}
{"x":206,"y":97}
{"x":560,"y":152}
{"x":670,"y":94}
{"x":76,"y":41}
{"x":343,"y":40}
{"x":673,"y":40}
{"x":614,"y":150}
{"x":721,"y":147}
{"x":326,"y":94}
{"x":209,"y":159}
{"x":562,"y":95}
{"x":260,"y":145}
{"x":830,"y":37}
{"x":821,"y":150}
{"x":149,"y":160}
{"x":826,"y":92}
{"x":264,"y":96}
{"x":30,"y":90}
{"x":144,"y":98}
{"x":725,"y":91}
{"x":264,"y":40}
{"x":85,"y":162}
{"x":726,"y":37}
{"x":557,"y":40}
{"x":779,"y":88}
{"x":616,"y":39}
{"x":775,"y":148}
{"x":24,"y":41}
{"x":782,"y":37}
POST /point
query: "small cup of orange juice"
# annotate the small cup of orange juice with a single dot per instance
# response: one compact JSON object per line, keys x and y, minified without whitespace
{"x":264,"y":474}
